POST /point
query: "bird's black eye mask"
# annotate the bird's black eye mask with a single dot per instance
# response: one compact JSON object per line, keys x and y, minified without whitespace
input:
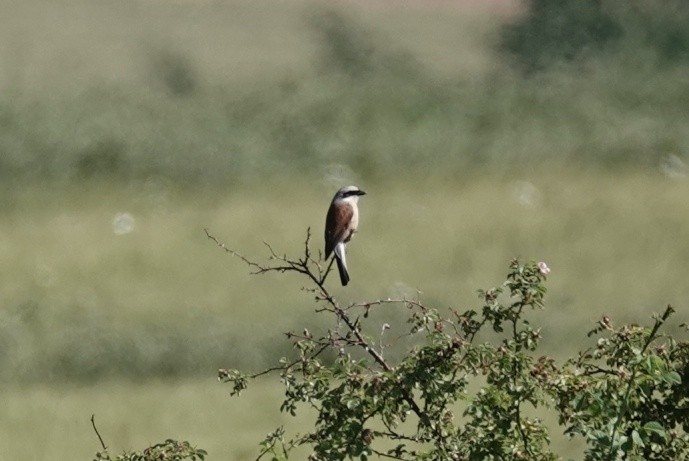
{"x":354,"y":192}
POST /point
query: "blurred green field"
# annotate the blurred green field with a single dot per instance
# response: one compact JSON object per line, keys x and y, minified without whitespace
{"x":218,"y":93}
{"x":130,"y":415}
{"x":126,"y":128}
{"x":83,"y":303}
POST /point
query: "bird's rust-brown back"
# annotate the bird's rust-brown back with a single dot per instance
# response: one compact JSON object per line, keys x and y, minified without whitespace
{"x":337,"y":228}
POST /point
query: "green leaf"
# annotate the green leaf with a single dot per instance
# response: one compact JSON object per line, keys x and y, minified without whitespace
{"x":671,"y":377}
{"x":637,"y":438}
{"x":654,"y":364}
{"x":655,"y":427}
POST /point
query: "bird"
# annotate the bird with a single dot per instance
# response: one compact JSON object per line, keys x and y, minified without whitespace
{"x":341,"y":223}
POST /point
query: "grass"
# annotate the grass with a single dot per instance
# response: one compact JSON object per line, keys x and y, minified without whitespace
{"x":196,"y":101}
{"x":82,"y":302}
{"x":145,"y":99}
{"x":198,"y":411}
{"x":241,"y":119}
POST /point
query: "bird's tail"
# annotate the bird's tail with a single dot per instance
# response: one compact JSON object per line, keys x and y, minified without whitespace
{"x":341,"y":263}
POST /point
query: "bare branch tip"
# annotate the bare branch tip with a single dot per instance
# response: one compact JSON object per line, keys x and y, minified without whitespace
{"x":93,"y":423}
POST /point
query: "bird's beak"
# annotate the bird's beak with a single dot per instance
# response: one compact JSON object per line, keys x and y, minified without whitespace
{"x":360,"y":192}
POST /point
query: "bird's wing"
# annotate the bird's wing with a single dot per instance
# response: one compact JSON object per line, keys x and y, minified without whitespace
{"x":337,"y":226}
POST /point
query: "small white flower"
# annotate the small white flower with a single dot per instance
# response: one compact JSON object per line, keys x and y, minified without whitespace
{"x":543,"y":267}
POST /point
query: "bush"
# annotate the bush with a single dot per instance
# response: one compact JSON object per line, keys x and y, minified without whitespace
{"x":473,"y":386}
{"x":171,"y":450}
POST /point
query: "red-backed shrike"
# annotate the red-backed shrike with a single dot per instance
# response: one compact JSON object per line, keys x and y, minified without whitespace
{"x":340,"y":225}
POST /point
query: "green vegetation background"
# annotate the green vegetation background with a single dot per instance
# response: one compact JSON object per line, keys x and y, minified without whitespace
{"x":162,"y":118}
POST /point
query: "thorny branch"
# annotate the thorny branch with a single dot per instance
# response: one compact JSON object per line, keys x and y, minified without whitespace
{"x":312,"y":268}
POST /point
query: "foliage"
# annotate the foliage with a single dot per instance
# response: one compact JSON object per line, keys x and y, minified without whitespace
{"x":473,"y":386}
{"x":171,"y":450}
{"x":626,"y":395}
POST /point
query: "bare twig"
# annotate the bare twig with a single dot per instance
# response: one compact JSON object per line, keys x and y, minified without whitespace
{"x":224,"y":374}
{"x":322,"y":294}
{"x":324,"y":275}
{"x":367,"y":305}
{"x":93,"y":423}
{"x":234,"y":253}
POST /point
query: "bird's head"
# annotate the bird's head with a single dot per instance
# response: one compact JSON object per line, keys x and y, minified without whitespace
{"x":351,"y":192}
